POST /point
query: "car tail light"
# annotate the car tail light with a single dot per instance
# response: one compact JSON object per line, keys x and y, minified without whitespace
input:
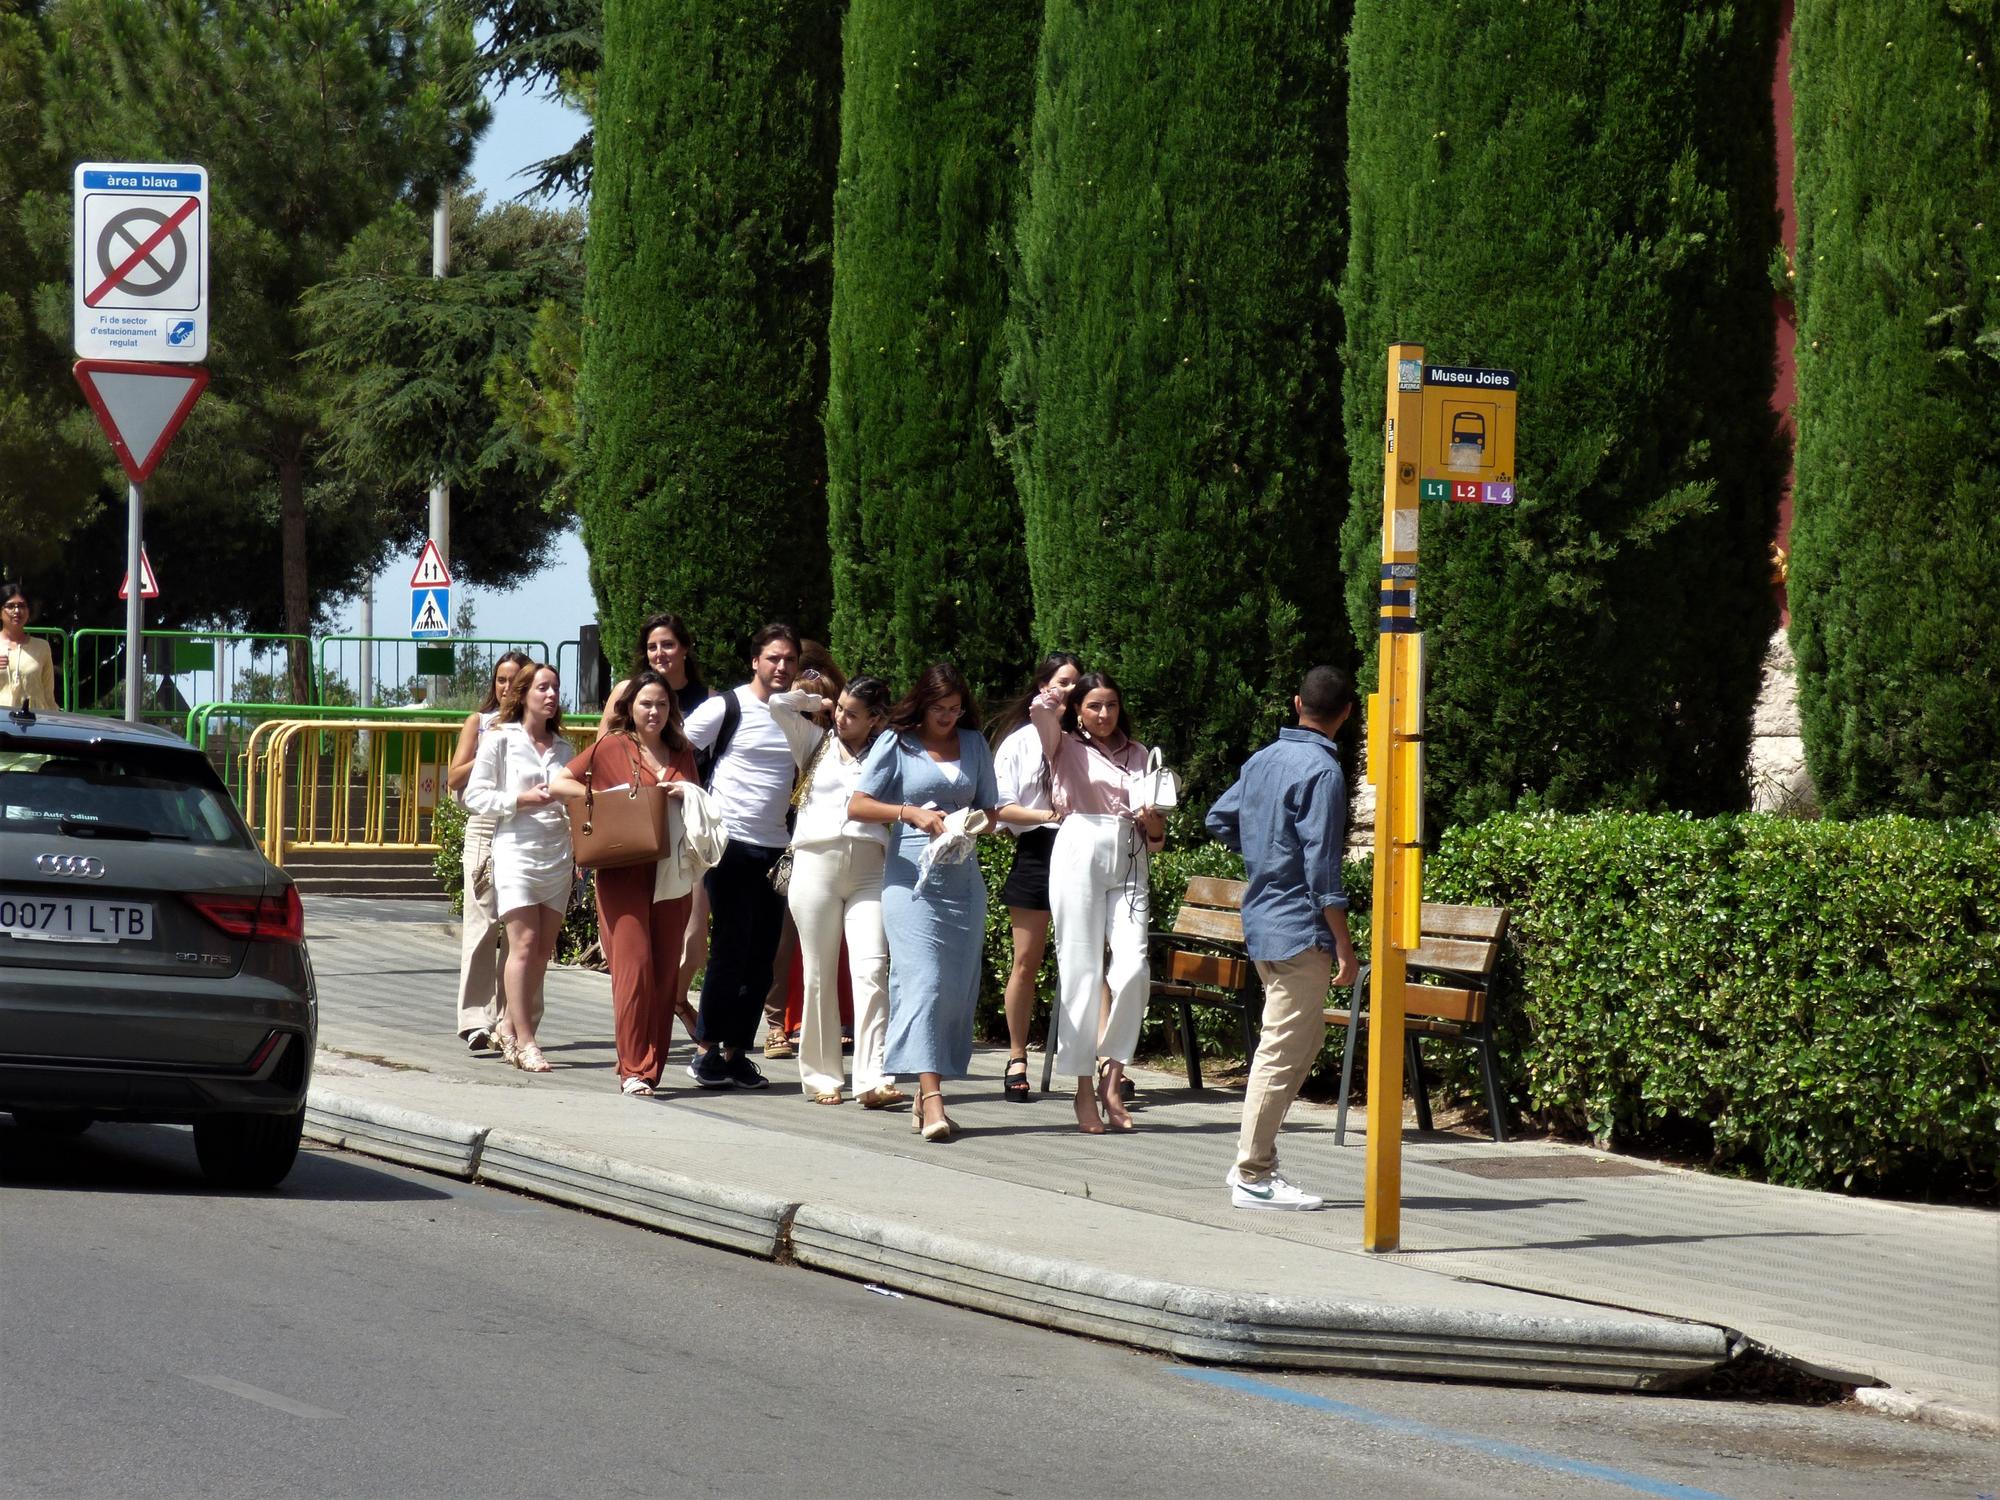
{"x":271,"y":919}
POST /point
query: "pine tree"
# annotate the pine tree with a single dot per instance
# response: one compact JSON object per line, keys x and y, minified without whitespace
{"x":1173,"y":359}
{"x":703,"y":487}
{"x":926,"y":528}
{"x":1584,"y":194}
{"x":1895,"y":566}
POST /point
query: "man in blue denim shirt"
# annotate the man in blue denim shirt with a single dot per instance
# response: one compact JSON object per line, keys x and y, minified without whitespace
{"x":1287,"y":817}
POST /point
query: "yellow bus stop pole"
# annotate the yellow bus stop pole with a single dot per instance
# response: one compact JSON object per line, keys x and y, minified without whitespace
{"x":1398,"y":880}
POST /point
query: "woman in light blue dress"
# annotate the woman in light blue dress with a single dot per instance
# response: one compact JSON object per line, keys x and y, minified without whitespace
{"x":933,"y":763}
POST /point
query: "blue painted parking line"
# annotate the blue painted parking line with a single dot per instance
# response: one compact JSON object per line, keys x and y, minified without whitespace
{"x":1492,"y":1447}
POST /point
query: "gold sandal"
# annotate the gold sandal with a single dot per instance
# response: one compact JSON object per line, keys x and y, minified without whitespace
{"x":882,"y":1096}
{"x":826,"y":1096}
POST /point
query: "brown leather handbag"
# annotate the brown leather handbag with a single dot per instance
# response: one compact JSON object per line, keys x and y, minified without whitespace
{"x":619,"y":828}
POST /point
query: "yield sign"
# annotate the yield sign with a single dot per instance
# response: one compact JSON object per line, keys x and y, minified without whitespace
{"x":140,"y":407}
{"x":149,"y":586}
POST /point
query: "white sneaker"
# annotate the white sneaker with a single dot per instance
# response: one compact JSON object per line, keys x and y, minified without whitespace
{"x":1273,"y":1192}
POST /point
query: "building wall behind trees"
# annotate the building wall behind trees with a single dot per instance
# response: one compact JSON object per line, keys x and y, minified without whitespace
{"x":923,"y":519}
{"x":1895,"y":566}
{"x":1173,"y":362}
{"x":705,"y":313}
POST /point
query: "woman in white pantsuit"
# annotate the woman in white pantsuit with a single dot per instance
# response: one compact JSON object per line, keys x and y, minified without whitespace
{"x":1098,"y":891}
{"x":533,"y":862}
{"x":836,"y":895}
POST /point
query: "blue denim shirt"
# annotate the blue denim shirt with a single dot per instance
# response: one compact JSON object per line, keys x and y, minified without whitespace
{"x":1287,"y":817}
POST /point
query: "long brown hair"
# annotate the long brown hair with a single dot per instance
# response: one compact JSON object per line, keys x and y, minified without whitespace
{"x":673,"y":735}
{"x":514,"y":697}
{"x":937,"y":682}
{"x":1015,"y":714}
{"x":493,"y":695}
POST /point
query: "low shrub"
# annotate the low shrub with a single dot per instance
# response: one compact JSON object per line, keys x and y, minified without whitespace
{"x":1813,"y":1003}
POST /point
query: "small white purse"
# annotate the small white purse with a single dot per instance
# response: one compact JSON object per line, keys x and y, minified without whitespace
{"x":1155,"y":786}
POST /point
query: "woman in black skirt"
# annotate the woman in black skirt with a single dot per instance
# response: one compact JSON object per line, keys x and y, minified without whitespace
{"x":1024,"y":783}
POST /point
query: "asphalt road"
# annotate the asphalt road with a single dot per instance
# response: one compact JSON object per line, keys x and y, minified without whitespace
{"x":372,"y":1331}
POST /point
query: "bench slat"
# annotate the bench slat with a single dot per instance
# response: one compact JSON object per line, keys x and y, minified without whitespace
{"x":1212,"y":890}
{"x":1440,"y":920}
{"x":1422,"y":1024}
{"x":1206,"y":922}
{"x":1207,"y":968}
{"x":1456,"y":954}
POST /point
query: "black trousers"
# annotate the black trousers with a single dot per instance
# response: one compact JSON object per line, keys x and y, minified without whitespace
{"x":743,"y":943}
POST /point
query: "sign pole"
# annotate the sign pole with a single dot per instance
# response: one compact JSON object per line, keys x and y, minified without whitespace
{"x":440,"y":495}
{"x":1398,"y":874}
{"x":135,"y":599}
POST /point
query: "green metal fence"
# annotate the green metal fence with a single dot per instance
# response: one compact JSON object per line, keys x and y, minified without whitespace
{"x":403,"y":665}
{"x":180,"y":668}
{"x":58,"y":640}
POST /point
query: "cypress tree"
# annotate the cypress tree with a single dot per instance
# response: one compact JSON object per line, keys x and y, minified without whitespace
{"x":1585,"y":194}
{"x":1895,"y":543}
{"x":703,"y":485}
{"x":925,"y":525}
{"x":1173,"y":358}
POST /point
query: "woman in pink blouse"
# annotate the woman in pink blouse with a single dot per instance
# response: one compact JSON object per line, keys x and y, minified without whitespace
{"x":1097,"y":887}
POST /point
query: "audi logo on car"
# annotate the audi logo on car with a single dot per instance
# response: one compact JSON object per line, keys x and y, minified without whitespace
{"x":82,"y":866}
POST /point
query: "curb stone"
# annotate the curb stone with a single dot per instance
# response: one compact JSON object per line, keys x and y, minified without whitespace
{"x":731,"y":1217}
{"x":1915,"y":1407}
{"x":1217,"y":1327}
{"x":396,"y":1134}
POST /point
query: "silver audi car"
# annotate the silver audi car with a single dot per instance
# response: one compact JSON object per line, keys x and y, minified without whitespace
{"x":153,"y":963}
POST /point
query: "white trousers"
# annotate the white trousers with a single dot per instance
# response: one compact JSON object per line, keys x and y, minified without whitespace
{"x":836,"y":892}
{"x":479,"y":947}
{"x":1098,"y":897}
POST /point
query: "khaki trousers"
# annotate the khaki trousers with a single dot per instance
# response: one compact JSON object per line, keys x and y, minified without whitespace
{"x":480,"y":947}
{"x":1294,"y":1031}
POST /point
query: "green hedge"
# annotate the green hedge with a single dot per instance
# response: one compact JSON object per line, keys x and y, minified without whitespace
{"x":925,"y":525}
{"x":1584,"y":193}
{"x":703,"y":480}
{"x":1896,"y":536}
{"x":1815,"y":1003}
{"x":1173,"y":359}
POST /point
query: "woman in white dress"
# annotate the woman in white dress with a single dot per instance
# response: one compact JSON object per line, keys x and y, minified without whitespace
{"x":479,"y":1004}
{"x":533,"y":864}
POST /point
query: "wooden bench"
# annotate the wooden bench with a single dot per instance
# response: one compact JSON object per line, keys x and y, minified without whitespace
{"x":1460,"y":951}
{"x":1199,"y":961}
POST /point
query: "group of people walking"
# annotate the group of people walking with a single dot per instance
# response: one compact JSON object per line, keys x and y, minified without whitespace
{"x":807,"y":807}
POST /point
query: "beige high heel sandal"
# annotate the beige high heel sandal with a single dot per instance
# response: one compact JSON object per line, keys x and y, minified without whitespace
{"x":943,"y":1129}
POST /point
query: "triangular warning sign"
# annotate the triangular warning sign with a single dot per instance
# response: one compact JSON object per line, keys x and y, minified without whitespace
{"x":149,"y":586}
{"x":429,"y":619}
{"x":140,"y":407}
{"x":430,"y":572}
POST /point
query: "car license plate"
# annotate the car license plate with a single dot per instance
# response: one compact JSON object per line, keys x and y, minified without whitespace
{"x":75,"y":919}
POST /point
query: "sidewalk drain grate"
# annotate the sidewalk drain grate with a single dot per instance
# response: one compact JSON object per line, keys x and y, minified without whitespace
{"x":1546,"y":1166}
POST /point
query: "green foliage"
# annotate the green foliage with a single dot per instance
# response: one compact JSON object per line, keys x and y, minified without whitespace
{"x":410,"y":362}
{"x":1584,"y":194}
{"x":1816,"y":1003}
{"x":555,"y":47}
{"x":1895,"y":541}
{"x":705,"y":308}
{"x":313,"y":120}
{"x":924,"y":522}
{"x":1173,"y":359}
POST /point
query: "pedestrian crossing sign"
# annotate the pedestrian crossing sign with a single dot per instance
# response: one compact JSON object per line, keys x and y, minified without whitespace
{"x":430,"y":612}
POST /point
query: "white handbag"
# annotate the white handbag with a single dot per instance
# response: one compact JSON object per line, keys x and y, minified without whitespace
{"x":1155,"y":786}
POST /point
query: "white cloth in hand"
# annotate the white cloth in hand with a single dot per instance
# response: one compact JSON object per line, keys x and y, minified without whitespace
{"x":956,"y":844}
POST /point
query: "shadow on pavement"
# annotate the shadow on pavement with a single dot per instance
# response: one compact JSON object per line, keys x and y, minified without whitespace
{"x":148,"y":1159}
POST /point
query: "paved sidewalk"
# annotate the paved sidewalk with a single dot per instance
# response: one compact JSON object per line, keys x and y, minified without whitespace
{"x":1905,"y":1296}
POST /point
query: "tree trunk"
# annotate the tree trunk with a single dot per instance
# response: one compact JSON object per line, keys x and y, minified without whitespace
{"x":292,"y":542}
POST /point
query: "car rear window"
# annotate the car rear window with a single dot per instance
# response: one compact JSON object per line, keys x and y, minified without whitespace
{"x":116,"y":792}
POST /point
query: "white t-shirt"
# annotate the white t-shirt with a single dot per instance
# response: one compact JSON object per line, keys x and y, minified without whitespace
{"x":1022,"y":778}
{"x":753,"y":781}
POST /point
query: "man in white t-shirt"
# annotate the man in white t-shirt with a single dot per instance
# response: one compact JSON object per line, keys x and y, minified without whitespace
{"x":751,"y":779}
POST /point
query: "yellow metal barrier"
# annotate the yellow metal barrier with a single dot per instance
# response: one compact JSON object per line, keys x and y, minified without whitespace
{"x":351,"y":786}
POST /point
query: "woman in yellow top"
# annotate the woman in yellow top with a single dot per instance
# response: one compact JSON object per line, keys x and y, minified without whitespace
{"x":27,"y":673}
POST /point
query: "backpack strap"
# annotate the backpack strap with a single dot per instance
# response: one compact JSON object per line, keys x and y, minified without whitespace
{"x":708,"y":760}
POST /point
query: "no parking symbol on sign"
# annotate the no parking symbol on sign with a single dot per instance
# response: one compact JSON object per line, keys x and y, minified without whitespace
{"x":141,"y":273}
